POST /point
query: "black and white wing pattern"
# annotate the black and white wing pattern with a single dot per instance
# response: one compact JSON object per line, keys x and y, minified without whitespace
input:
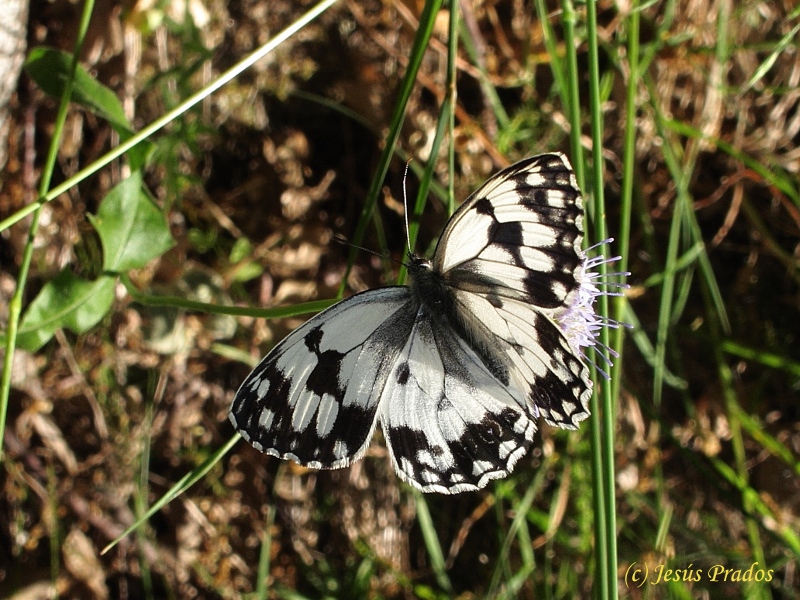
{"x":511,"y":258}
{"x":458,"y":365}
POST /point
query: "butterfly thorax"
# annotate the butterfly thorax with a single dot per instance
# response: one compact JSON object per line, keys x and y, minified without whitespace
{"x":435,"y":297}
{"x":430,"y":289}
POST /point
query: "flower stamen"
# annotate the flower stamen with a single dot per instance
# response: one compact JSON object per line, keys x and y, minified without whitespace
{"x":580,"y":323}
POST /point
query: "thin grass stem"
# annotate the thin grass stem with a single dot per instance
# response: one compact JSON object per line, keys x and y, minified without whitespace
{"x":15,"y":305}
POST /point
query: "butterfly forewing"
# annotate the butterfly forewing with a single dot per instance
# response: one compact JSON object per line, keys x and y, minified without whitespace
{"x":519,"y":234}
{"x":511,"y":253}
{"x":314,"y":398}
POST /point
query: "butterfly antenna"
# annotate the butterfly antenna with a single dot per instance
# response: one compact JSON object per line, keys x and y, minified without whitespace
{"x":405,"y":205}
{"x":383,"y":255}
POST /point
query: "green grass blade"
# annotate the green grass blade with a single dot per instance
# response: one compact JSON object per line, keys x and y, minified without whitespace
{"x":570,"y":91}
{"x":474,"y":47}
{"x":176,"y":490}
{"x":294,"y":310}
{"x":521,"y":508}
{"x":774,"y":361}
{"x":626,"y":193}
{"x":603,"y":423}
{"x":424,"y":32}
{"x":262,"y":587}
{"x":432,"y":544}
{"x":173,"y":114}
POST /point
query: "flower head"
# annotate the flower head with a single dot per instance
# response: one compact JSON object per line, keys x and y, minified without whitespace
{"x":579,"y":322}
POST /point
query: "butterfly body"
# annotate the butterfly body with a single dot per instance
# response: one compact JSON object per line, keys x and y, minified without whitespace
{"x":458,"y":365}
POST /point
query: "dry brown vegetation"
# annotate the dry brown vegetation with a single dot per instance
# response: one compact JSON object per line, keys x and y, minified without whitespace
{"x":102,"y":424}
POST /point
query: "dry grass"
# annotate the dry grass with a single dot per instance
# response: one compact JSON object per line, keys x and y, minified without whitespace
{"x":102,"y":424}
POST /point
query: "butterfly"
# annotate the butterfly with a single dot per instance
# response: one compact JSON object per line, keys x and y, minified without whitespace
{"x":457,"y":366}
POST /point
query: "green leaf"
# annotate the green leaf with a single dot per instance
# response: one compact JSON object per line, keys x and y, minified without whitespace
{"x":50,"y":69}
{"x":132,"y":229}
{"x":65,"y":302}
{"x":242,"y":248}
{"x":247,"y":271}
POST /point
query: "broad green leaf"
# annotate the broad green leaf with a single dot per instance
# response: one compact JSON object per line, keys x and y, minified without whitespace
{"x":65,"y":302}
{"x":132,"y":229}
{"x":50,"y":69}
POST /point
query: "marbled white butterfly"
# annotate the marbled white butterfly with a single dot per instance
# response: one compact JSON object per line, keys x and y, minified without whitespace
{"x":458,"y":365}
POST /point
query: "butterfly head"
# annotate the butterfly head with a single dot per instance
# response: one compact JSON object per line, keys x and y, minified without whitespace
{"x":416,"y":263}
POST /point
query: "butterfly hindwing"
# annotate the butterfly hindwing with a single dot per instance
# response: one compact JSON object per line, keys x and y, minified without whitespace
{"x":450,"y":425}
{"x":554,"y":382}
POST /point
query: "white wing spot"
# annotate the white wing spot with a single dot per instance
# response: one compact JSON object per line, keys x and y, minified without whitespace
{"x":406,"y":466}
{"x":326,"y":414}
{"x":521,"y":425}
{"x":261,"y":387}
{"x":429,"y":476}
{"x":340,"y":449}
{"x":304,"y":411}
{"x":265,"y":418}
{"x":425,"y":457}
{"x":479,"y":467}
{"x":506,"y":448}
